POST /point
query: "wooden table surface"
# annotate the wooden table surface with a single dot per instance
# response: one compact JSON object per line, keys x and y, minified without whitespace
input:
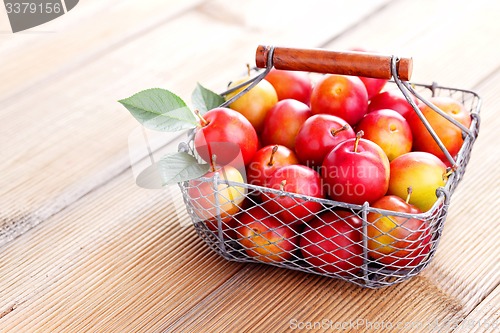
{"x":84,"y":249}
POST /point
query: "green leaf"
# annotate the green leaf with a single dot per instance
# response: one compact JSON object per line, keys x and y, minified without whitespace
{"x":204,"y":99}
{"x":160,"y":110}
{"x":179,"y":167}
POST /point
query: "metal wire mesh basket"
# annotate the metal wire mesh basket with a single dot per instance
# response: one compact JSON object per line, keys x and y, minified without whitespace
{"x":299,"y":245}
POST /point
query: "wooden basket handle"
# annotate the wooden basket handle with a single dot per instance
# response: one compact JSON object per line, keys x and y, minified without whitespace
{"x":334,"y":62}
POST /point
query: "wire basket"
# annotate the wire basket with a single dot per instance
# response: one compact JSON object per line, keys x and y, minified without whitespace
{"x":343,"y":255}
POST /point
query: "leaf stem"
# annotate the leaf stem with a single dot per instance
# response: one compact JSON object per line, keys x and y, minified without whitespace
{"x":203,"y":121}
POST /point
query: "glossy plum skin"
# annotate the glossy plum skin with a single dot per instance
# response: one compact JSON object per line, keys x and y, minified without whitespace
{"x":262,"y":166}
{"x":424,"y":172}
{"x":283,"y":122}
{"x":224,"y":202}
{"x":396,"y":241}
{"x":450,"y":135}
{"x":291,"y":85}
{"x":332,"y":245}
{"x":227,"y":134}
{"x":264,"y":237}
{"x":318,"y":136}
{"x":254,"y":104}
{"x":389,"y":130}
{"x":392,"y":99}
{"x":297,"y":179}
{"x":356,"y":176}
{"x":342,"y":96}
{"x":373,"y":86}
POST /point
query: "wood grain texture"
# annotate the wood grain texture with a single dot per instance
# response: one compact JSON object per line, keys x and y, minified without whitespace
{"x":138,"y":258}
{"x":333,"y":62}
{"x":485,"y":318}
{"x":91,"y":30}
{"x":112,"y":257}
{"x":68,"y":158}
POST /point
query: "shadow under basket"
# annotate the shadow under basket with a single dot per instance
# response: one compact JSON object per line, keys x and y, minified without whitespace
{"x":358,"y":260}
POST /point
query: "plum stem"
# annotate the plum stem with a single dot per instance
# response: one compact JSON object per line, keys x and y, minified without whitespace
{"x":409,"y":190}
{"x":448,"y":172}
{"x":271,"y":162}
{"x":249,"y":70}
{"x":203,"y":121}
{"x":282,"y":187}
{"x":356,"y":142}
{"x":343,"y":128}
